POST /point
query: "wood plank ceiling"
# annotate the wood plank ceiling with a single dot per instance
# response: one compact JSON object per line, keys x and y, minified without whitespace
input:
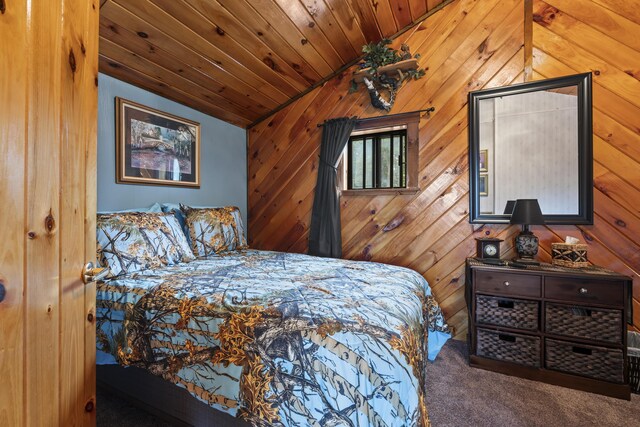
{"x":238,"y":60}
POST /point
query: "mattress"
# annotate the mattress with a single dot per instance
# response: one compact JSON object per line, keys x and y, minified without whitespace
{"x":280,"y":339}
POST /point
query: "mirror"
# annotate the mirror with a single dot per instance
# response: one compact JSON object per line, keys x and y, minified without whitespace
{"x":532,"y":141}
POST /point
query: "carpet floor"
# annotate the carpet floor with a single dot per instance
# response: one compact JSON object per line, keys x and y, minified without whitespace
{"x":459,"y":396}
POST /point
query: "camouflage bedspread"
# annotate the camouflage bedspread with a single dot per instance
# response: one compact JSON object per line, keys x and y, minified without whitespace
{"x":280,"y":339}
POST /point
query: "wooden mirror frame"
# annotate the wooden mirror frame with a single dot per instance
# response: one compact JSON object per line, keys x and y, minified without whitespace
{"x":585,"y":148}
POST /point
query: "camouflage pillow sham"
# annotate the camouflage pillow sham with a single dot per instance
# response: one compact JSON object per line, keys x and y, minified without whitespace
{"x":135,"y":241}
{"x":214,"y":230}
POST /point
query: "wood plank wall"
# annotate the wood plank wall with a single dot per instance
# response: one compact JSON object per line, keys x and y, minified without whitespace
{"x":601,"y":36}
{"x":468,"y":45}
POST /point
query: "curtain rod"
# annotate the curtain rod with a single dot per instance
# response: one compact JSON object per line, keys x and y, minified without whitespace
{"x":366,"y":119}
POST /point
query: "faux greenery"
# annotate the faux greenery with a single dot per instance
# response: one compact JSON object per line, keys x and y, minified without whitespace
{"x":377,"y":55}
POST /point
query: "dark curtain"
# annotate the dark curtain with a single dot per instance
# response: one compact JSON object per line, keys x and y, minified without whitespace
{"x":324,"y":236}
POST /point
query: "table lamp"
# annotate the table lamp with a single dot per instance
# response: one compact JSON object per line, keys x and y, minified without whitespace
{"x":527,"y":212}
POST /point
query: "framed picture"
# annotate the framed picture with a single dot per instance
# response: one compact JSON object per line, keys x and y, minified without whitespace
{"x":484,"y":161}
{"x":155,"y":148}
{"x":483,"y":185}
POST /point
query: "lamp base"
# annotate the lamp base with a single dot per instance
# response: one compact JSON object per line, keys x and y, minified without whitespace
{"x":527,"y":247}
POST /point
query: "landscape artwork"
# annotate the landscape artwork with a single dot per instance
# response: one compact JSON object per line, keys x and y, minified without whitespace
{"x":154,"y":147}
{"x":484,"y":161}
{"x":483,"y":185}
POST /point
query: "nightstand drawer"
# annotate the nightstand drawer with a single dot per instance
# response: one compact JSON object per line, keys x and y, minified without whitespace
{"x":583,"y":322}
{"x":590,"y":361}
{"x":524,"y":285}
{"x":513,"y":313}
{"x":585,"y":291}
{"x":508,"y":347}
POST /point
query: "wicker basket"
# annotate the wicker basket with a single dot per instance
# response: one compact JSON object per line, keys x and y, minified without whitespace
{"x":569,"y":255}
{"x":514,"y":313}
{"x":508,"y":347}
{"x":592,"y":323}
{"x":586,"y":360}
{"x":633,"y":360}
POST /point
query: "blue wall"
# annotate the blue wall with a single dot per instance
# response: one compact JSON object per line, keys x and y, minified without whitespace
{"x":223,"y":171}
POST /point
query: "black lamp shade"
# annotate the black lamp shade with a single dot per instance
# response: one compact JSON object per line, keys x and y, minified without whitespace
{"x":527,"y":211}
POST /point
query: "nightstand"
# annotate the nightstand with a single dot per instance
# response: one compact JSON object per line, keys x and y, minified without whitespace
{"x":552,"y":324}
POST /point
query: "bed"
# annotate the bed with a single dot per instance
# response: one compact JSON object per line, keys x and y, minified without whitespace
{"x":279,"y":339}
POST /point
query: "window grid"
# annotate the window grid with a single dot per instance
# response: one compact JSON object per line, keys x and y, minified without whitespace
{"x":358,"y":180}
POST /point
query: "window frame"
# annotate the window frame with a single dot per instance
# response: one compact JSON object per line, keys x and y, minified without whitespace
{"x":412,"y":123}
{"x":376,"y":139}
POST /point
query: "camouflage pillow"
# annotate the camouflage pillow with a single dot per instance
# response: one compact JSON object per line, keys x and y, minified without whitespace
{"x":134,"y":241}
{"x":214,"y":230}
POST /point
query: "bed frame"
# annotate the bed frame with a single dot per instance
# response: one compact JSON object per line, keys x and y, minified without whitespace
{"x":161,"y":398}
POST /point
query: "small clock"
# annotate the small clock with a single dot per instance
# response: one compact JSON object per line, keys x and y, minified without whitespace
{"x":488,"y":247}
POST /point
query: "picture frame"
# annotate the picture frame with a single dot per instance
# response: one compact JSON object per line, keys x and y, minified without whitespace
{"x":483,"y":185}
{"x":483,"y":161}
{"x":155,"y":148}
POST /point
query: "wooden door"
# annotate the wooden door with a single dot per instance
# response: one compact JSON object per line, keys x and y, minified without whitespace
{"x":48,"y":119}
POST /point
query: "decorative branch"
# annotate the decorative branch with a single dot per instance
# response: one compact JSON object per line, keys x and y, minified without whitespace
{"x":378,"y":74}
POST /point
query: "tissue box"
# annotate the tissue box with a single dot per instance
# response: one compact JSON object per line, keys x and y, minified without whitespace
{"x":569,"y":255}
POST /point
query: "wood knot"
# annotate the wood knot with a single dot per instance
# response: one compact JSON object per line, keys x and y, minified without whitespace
{"x":545,"y":16}
{"x":49,"y":223}
{"x":31,"y":235}
{"x":82,"y":48}
{"x":3,"y":7}
{"x":587,"y":236}
{"x":366,"y":252}
{"x":90,"y":317}
{"x":299,"y":227}
{"x":49,"y":309}
{"x":72,"y":60}
{"x":621,"y":223}
{"x":304,"y":41}
{"x":395,"y":223}
{"x":143,"y":34}
{"x":483,"y":46}
{"x":89,"y":406}
{"x":220,"y":31}
{"x":269,"y":63}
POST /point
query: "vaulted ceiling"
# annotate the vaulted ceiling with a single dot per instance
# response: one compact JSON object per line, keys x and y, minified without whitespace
{"x":238,"y":60}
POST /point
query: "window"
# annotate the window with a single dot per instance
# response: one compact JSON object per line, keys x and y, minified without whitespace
{"x":381,"y":156}
{"x":377,"y":160}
